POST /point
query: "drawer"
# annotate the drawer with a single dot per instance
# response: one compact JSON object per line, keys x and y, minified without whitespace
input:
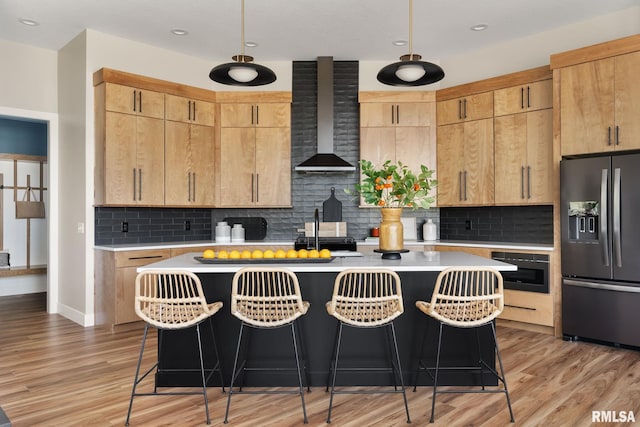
{"x":528,"y":307}
{"x":140,"y":258}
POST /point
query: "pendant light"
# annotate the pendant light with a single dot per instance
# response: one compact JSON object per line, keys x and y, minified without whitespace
{"x":410,"y":71}
{"x":242,"y":72}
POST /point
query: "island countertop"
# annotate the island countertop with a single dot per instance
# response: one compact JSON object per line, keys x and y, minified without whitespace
{"x":410,"y":261}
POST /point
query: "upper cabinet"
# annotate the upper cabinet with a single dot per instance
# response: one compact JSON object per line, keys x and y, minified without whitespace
{"x":398,"y":126}
{"x":471,"y":107}
{"x":187,"y":110}
{"x":599,"y":91}
{"x":522,"y":98}
{"x":129,"y":151}
{"x":255,"y":149}
{"x":133,"y":100}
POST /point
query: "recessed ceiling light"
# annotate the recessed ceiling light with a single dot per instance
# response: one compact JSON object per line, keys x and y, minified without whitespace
{"x":479,"y":27}
{"x":179,"y":32}
{"x":251,"y":44}
{"x":399,"y":42}
{"x":29,"y":22}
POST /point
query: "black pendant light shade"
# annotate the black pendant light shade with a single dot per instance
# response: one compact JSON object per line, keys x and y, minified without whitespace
{"x":242,"y":72}
{"x":410,"y":71}
{"x":389,"y":74}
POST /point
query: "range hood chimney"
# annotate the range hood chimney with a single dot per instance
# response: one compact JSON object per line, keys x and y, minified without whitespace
{"x":325,"y":160}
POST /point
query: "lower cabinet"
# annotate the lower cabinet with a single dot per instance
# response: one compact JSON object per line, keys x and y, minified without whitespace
{"x":115,"y":277}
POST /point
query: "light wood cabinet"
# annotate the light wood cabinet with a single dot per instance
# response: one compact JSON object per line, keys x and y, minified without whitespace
{"x":133,"y":100}
{"x":255,"y":150}
{"x":189,"y":169}
{"x":115,"y":277}
{"x":398,"y":126}
{"x":466,"y":163}
{"x":599,"y":105}
{"x":187,"y":110}
{"x":129,"y":154}
{"x":524,"y":158}
{"x":472,"y":107}
{"x":522,"y":98}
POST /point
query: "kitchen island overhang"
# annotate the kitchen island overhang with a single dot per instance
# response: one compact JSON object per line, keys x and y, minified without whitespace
{"x":418,"y":271}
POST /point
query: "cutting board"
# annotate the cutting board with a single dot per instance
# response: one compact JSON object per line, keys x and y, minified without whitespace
{"x":332,"y":208}
{"x":326,"y":229}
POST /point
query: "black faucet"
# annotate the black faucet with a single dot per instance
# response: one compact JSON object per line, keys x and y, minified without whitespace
{"x":316,"y":229}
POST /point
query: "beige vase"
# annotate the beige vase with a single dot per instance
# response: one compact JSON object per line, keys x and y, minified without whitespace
{"x":391,"y":230}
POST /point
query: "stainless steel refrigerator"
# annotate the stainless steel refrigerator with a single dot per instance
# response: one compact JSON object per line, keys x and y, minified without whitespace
{"x":600,"y":225}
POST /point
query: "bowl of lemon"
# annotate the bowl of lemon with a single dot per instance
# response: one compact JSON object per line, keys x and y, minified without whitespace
{"x":264,"y":256}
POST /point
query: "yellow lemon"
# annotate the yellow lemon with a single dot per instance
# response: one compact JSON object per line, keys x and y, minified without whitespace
{"x":208,"y":253}
{"x":245,"y":254}
{"x":234,"y":254}
{"x":292,"y":253}
{"x":257,"y":254}
{"x":223,"y":254}
{"x":269,"y":254}
{"x":313,"y":253}
{"x":325,"y":253}
{"x":280,"y":253}
{"x":303,"y":253}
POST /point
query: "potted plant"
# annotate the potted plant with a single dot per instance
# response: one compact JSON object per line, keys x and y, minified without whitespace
{"x":392,"y":187}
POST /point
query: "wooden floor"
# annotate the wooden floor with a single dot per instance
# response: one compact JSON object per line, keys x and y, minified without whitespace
{"x":56,"y":373}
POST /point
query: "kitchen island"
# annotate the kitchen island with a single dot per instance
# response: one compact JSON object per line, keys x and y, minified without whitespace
{"x":417,"y":270}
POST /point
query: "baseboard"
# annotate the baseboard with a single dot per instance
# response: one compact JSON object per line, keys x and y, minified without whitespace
{"x":525,"y":326}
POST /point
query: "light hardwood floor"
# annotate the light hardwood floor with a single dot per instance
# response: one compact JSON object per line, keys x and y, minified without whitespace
{"x":56,"y":373}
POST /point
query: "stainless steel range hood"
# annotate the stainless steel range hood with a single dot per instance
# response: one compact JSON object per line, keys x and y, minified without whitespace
{"x":325,"y":160}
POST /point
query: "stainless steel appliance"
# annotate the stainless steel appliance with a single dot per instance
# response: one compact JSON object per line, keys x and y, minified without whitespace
{"x":600,"y":211}
{"x":532,"y":274}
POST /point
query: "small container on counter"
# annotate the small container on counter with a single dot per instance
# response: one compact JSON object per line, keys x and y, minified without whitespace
{"x":429,"y":231}
{"x":223,"y":232}
{"x":237,"y":233}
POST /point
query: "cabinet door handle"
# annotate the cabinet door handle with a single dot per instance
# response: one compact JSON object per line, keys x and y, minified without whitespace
{"x":528,"y":97}
{"x":465,"y":180}
{"x":609,"y":135}
{"x":522,"y":182}
{"x":252,"y":122}
{"x":140,"y":103}
{"x":257,"y":187}
{"x":528,"y":182}
{"x":460,"y":109}
{"x":194,"y":111}
{"x":257,"y":114}
{"x":135,"y":94}
{"x":460,"y":188}
{"x":465,"y":116}
{"x":189,"y":111}
{"x":134,"y":184}
{"x":194,"y":187}
{"x":397,"y":114}
{"x":522,"y":98}
{"x":139,"y":184}
{"x":252,"y":183}
{"x":617,"y":135}
{"x":189,"y":182}
{"x":393,"y":114}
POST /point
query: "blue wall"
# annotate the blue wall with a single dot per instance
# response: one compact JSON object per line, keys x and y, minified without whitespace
{"x":23,"y":137}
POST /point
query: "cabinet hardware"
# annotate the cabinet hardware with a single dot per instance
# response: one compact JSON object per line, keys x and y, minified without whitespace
{"x":134,"y":99}
{"x":528,"y":182}
{"x":140,"y":103}
{"x":134,"y":184}
{"x":252,"y":178}
{"x":257,"y":114}
{"x":189,"y":181}
{"x":528,"y":97}
{"x":194,"y":111}
{"x":522,"y":182}
{"x":460,"y":109}
{"x":617,"y":135}
{"x":253,"y":123}
{"x":397,"y":114}
{"x":193,"y":198}
{"x":460,"y":188}
{"x":609,"y":135}
{"x":465,"y":179}
{"x":257,"y":188}
{"x":465,"y":116}
{"x":522,"y":98}
{"x":139,"y":184}
{"x":520,"y":307}
{"x":189,"y":110}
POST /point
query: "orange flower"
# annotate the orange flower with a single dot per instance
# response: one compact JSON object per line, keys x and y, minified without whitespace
{"x":416,"y":186}
{"x":381,"y":202}
{"x":388,"y":185}
{"x":389,"y":177}
{"x":378,"y":179}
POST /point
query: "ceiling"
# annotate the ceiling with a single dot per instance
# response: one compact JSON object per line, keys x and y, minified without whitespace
{"x":297,"y":29}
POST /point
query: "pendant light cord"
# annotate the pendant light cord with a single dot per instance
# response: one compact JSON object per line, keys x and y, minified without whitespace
{"x":410,"y":30}
{"x":242,"y":32}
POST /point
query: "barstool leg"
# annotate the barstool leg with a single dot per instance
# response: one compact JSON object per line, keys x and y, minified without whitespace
{"x":233,"y":374}
{"x":435,"y":379}
{"x":480,"y":359}
{"x":421,"y":354}
{"x":504,"y":378}
{"x":295,"y":349}
{"x":404,"y":394}
{"x":218,"y":364}
{"x":204,"y":378}
{"x":135,"y":379}
{"x":335,"y":370}
{"x":303,"y":355}
{"x":333,"y":353}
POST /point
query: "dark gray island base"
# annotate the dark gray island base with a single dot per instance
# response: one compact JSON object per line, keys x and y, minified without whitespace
{"x":273,"y":348}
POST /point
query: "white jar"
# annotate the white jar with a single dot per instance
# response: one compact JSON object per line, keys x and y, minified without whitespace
{"x":429,"y":231}
{"x":223,"y":232}
{"x":237,"y":233}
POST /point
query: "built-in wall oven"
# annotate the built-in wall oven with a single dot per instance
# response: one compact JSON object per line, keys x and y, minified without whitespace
{"x":532,"y":274}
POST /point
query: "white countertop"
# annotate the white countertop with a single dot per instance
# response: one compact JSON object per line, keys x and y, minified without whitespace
{"x":410,"y":261}
{"x":408,"y":243}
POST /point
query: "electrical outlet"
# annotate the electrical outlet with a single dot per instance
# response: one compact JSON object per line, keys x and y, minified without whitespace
{"x":467,"y":224}
{"x":187,"y":225}
{"x":124,"y":227}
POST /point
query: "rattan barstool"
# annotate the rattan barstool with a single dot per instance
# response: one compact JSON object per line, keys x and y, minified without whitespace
{"x":170,"y":300}
{"x":466,"y":298}
{"x":367,"y":298}
{"x":267,"y":298}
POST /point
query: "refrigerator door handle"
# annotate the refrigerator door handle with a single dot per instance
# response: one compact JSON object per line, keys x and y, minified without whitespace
{"x":603,"y":286}
{"x":604,"y":237}
{"x":617,"y":248}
